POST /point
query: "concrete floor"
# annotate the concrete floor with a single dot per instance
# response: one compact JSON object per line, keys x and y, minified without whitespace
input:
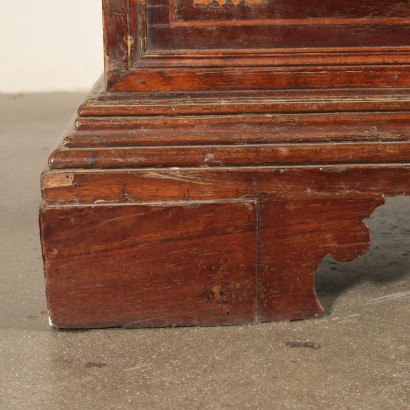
{"x":355,"y":357}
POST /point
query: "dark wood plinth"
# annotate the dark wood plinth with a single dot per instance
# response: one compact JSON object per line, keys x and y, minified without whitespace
{"x":229,"y":147}
{"x":140,"y":229}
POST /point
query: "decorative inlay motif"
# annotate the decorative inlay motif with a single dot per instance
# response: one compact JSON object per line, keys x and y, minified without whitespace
{"x":226,"y":2}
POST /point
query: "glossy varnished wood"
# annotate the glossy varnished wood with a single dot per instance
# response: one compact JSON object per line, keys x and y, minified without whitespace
{"x":228,"y":148}
{"x":145,"y":266}
{"x":208,"y":79}
{"x":287,"y":183}
{"x":294,"y":236}
{"x":210,"y":156}
{"x":146,"y":37}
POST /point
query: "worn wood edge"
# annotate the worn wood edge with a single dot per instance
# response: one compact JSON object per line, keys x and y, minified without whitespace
{"x":115,"y":37}
{"x":92,"y":143}
{"x":105,"y":104}
{"x":159,"y":138}
{"x":202,"y":79}
{"x":152,"y":185}
{"x":118,"y":120}
{"x":241,"y":129}
{"x":113,"y":98}
{"x":179,"y":122}
{"x":288,"y":57}
{"x":238,"y":155}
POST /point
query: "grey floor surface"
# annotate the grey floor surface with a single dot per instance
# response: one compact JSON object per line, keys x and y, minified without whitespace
{"x":355,"y":357}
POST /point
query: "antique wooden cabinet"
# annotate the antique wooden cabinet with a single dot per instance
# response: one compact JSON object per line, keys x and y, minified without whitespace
{"x":230,"y":146}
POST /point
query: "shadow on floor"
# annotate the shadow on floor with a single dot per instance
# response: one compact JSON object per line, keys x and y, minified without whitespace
{"x":387,"y":261}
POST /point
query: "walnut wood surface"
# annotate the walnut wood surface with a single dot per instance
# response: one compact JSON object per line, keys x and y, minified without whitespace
{"x":109,"y":104}
{"x":355,"y":153}
{"x":287,"y":183}
{"x":293,"y":217}
{"x":115,"y":21}
{"x":195,"y":264}
{"x":208,"y":79}
{"x":144,"y":266}
{"x":294,"y":237}
{"x":144,"y":38}
{"x":228,"y":149}
{"x":114,"y":130}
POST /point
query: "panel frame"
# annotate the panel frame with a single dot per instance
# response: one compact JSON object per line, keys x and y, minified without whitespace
{"x":127,"y":52}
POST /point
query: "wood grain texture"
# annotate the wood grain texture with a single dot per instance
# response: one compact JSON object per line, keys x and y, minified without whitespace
{"x":291,"y":9}
{"x":128,"y":130}
{"x":229,"y":148}
{"x":116,"y":51}
{"x":209,"y":79}
{"x":150,"y":266}
{"x":170,"y":264}
{"x":211,"y":156}
{"x":108,"y":104}
{"x":294,"y":237}
{"x":145,"y":38}
{"x":287,"y":183}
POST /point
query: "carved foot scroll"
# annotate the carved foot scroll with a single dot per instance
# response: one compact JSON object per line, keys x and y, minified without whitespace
{"x":294,"y":236}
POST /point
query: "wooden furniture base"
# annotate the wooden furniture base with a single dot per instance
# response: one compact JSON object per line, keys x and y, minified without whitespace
{"x":229,"y":147}
{"x":139,"y":229}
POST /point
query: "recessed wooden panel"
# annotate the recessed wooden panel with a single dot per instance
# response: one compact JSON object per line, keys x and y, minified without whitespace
{"x":275,"y":24}
{"x":142,"y":36}
{"x":274,"y":10}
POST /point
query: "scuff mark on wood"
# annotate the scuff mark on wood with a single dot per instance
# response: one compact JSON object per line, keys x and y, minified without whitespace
{"x":177,"y":177}
{"x":227,"y":2}
{"x":65,"y":179}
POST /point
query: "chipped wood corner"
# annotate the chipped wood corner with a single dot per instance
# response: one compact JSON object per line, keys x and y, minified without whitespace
{"x":56,"y":180}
